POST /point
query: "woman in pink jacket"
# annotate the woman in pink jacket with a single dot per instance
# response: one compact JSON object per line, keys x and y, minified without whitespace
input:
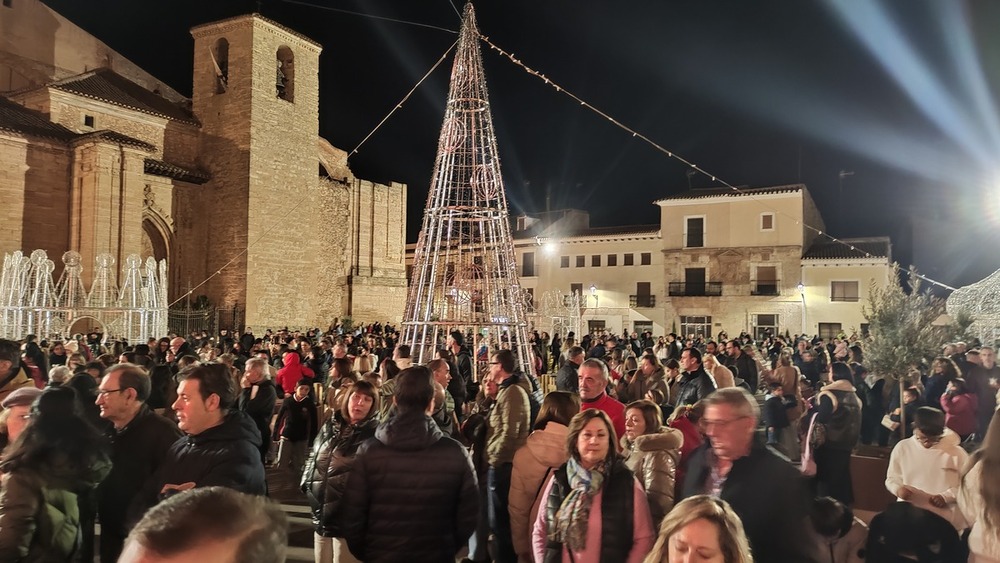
{"x":544,"y":452}
{"x":960,"y":408}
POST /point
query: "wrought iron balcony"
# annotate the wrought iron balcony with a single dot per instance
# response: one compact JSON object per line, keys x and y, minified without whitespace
{"x":694,"y":289}
{"x":769,"y":287}
{"x":635,"y":301}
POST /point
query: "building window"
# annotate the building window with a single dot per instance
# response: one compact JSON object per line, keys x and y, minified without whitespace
{"x":694,"y":232}
{"x":284,"y":83}
{"x":528,"y":264}
{"x":829,"y":331}
{"x":564,"y":261}
{"x":645,"y":259}
{"x":597,"y":327}
{"x":844,"y":291}
{"x":629,"y":260}
{"x":576,"y":288}
{"x":692,"y":326}
{"x":220,"y":59}
{"x":581,"y":261}
{"x":8,"y":3}
{"x":767,"y":221}
{"x":612,"y":259}
{"x":864,"y":330}
{"x":643,"y":296}
{"x":88,"y":121}
{"x":764,"y":325}
{"x":642,"y":326}
{"x":595,"y":261}
{"x":765,"y":281}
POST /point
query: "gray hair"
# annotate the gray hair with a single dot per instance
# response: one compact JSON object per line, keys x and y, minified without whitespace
{"x":60,"y":374}
{"x":261,"y":364}
{"x":736,"y":397}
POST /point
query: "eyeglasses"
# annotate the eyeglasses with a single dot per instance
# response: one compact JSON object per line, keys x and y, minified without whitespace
{"x":106,"y":392}
{"x":925,"y":440}
{"x":720,"y":424}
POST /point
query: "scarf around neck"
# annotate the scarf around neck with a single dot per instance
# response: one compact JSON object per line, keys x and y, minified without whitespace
{"x":570,"y":526}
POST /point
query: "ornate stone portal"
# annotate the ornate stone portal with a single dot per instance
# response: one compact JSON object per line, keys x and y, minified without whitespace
{"x":30,"y":303}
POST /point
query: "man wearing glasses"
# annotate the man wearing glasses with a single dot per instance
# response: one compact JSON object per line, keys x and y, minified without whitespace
{"x":139,"y":440}
{"x":765,"y":490}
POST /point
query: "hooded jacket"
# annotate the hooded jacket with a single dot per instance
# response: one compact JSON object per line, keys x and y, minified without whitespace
{"x":412,"y":494}
{"x":654,"y":459}
{"x":328,"y":468}
{"x":544,"y":452}
{"x":40,"y":511}
{"x":226,"y":455}
{"x":288,"y":377}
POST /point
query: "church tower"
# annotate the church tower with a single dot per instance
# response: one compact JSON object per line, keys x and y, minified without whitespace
{"x":256,"y":95}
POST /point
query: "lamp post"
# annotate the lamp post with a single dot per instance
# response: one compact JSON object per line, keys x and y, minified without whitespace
{"x":802,"y":295}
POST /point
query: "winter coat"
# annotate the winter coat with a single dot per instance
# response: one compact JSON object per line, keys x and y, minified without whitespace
{"x":260,"y":406}
{"x":653,"y":458}
{"x":567,"y":378}
{"x":935,"y":470}
{"x":226,"y":455}
{"x":544,"y":451}
{"x":328,"y":468}
{"x":510,"y":420}
{"x":288,"y":377}
{"x":723,"y":377}
{"x":694,"y":387}
{"x":984,"y":542}
{"x":14,"y":382}
{"x":412,"y":494}
{"x":297,"y":420}
{"x":960,"y":412}
{"x":136,"y":453}
{"x":40,"y":510}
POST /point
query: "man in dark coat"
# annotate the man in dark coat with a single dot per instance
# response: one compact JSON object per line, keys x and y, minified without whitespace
{"x":139,"y":439}
{"x":765,"y":491}
{"x":221,"y":447}
{"x":696,"y":384}
{"x":257,"y":399}
{"x":412,"y":494}
{"x":567,"y":378}
{"x":746,"y":366}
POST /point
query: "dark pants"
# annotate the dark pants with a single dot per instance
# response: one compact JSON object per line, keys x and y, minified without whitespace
{"x":498,"y":480}
{"x":833,"y":474}
{"x":111,"y":545}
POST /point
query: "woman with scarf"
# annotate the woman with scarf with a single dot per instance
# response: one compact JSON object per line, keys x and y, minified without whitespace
{"x":594,"y":509}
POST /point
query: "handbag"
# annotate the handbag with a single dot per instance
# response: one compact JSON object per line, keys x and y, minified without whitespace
{"x":808,"y":466}
{"x":889,"y":423}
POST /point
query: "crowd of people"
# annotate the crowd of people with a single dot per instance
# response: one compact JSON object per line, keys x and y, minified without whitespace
{"x":610,"y":448}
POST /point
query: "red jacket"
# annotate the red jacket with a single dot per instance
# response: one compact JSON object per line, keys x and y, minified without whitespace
{"x":293,"y":371}
{"x":960,"y":412}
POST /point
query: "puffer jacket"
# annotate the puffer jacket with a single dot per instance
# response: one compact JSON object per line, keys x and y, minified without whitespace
{"x":40,"y":510}
{"x":329,"y":466}
{"x":544,"y":452}
{"x":654,"y":459}
{"x":412,"y":494}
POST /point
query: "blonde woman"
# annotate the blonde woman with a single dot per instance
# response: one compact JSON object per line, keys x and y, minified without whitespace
{"x":701,"y":528}
{"x":979,"y":497}
{"x":721,"y":374}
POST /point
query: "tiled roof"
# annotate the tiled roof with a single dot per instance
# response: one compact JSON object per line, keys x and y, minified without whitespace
{"x":116,"y":137}
{"x":160,"y":168}
{"x":698,"y":193}
{"x":19,"y":119}
{"x":620,"y":230}
{"x":872,"y":247}
{"x":108,"y":86}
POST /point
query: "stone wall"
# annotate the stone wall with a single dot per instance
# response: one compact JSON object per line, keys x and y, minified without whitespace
{"x":34,"y":181}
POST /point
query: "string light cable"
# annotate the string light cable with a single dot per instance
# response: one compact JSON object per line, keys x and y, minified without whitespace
{"x":370,"y":16}
{"x":691,"y":165}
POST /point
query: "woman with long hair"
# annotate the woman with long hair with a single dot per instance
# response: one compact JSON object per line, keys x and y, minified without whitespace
{"x":49,"y":472}
{"x":701,"y":528}
{"x":329,"y":466}
{"x":979,"y":497}
{"x":652,"y":452}
{"x":543,"y":453}
{"x":619,"y":528}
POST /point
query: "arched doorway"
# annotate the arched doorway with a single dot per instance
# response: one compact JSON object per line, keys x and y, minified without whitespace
{"x":155,"y":238}
{"x":84,"y":325}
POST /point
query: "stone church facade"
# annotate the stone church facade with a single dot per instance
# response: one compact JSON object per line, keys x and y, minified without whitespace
{"x":234,"y":186}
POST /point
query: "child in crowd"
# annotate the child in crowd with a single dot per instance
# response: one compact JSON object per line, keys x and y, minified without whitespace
{"x":911,"y":402}
{"x":296,"y":427}
{"x":775,"y":415}
{"x":842,"y":537}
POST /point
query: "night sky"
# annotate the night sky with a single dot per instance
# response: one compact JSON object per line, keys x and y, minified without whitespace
{"x":900,"y":95}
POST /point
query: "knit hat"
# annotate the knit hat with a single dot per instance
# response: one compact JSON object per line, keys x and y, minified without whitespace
{"x":22,"y":397}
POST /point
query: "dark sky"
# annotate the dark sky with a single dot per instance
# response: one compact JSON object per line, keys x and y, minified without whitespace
{"x":901,"y":94}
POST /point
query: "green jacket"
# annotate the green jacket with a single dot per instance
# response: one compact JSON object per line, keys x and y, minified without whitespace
{"x":40,"y":512}
{"x":509,"y":422}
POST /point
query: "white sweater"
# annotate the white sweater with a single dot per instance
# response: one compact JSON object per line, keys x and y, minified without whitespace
{"x":934,"y":471}
{"x":984,"y":543}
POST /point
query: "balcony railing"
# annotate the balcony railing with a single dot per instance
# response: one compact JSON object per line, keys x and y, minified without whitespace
{"x":769,"y":287}
{"x":694,"y":289}
{"x":635,"y":301}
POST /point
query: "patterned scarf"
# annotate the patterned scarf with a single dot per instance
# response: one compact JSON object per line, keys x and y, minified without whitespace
{"x":570,"y":527}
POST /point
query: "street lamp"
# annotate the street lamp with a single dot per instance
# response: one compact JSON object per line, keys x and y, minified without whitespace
{"x":802,"y":294}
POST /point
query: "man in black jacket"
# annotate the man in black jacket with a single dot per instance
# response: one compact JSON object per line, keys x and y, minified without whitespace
{"x":257,"y":399}
{"x":221,"y":445}
{"x":412,"y":494}
{"x":139,"y":439}
{"x":567,"y":378}
{"x":696,"y":384}
{"x":746,"y":366}
{"x":765,"y":491}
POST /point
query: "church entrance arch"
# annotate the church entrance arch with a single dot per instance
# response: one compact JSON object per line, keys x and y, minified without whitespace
{"x":155,"y":237}
{"x":84,"y":325}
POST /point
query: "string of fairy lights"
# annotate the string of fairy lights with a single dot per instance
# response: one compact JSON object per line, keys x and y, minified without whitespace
{"x":562,"y":90}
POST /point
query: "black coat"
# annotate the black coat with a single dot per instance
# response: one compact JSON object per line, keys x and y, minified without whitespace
{"x":567,"y":378}
{"x":770,"y":497}
{"x":412,"y":494}
{"x":136,"y":453}
{"x":695,"y":386}
{"x":260,"y":409}
{"x":226,"y":455}
{"x":329,"y":466}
